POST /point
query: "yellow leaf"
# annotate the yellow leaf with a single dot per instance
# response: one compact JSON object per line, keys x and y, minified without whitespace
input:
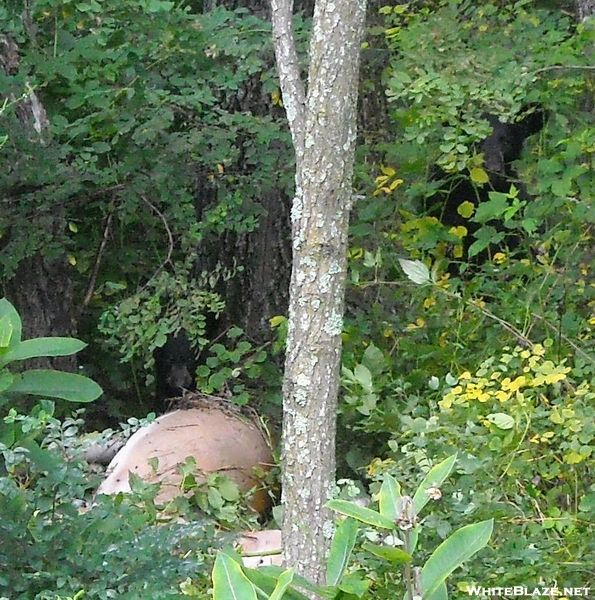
{"x":277,"y":320}
{"x":465,"y":209}
{"x":71,"y":260}
{"x":573,"y":458}
{"x":388,"y":171}
{"x":478,"y":175}
{"x":220,"y":169}
{"x":72,"y":226}
{"x":555,"y":417}
{"x":460,"y":231}
{"x":429,"y":302}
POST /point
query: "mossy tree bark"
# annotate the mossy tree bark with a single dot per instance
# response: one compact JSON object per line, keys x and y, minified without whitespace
{"x":323,"y":127}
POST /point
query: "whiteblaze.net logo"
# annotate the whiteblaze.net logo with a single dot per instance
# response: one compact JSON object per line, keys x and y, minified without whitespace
{"x":522,"y":591}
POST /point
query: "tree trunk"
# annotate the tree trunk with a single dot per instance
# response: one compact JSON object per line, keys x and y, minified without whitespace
{"x":41,"y":289}
{"x":584,"y":8}
{"x":323,"y":127}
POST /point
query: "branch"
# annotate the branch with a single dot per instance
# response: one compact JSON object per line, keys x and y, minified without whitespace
{"x":170,"y":237}
{"x":95,"y":272}
{"x":292,"y":86}
{"x":553,"y":67}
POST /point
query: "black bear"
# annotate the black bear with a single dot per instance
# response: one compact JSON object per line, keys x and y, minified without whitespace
{"x":500,"y":149}
{"x":175,"y":370}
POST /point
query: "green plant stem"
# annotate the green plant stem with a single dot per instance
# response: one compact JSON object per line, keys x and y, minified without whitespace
{"x":407,"y":570}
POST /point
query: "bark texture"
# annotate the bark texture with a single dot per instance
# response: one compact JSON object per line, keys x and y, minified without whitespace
{"x":584,"y":8}
{"x":323,"y":126}
{"x":41,"y":288}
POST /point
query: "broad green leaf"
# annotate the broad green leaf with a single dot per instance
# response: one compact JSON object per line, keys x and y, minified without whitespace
{"x":501,"y":420}
{"x":491,"y":209}
{"x":340,"y":552}
{"x":389,"y":498}
{"x":434,"y":478}
{"x":45,"y":346}
{"x":265,"y":579}
{"x":416,"y":271}
{"x":389,"y":553}
{"x":366,"y":515}
{"x":354,"y":584}
{"x":5,"y":331}
{"x":55,"y":384}
{"x":374,"y":359}
{"x":441,"y":593}
{"x":6,"y":379}
{"x":452,"y":553}
{"x":8,"y":310}
{"x":363,"y":376}
{"x":229,"y":581}
{"x":283,"y":583}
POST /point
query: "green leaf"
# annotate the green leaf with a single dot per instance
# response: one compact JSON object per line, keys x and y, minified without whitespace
{"x":283,"y":583}
{"x":229,"y":581}
{"x":390,"y":553}
{"x":373,"y":358}
{"x":451,"y":554}
{"x":416,"y":271}
{"x":493,"y":208}
{"x":8,"y":312}
{"x":55,"y":384}
{"x":434,"y":478}
{"x":355,"y":584}
{"x":5,"y":331}
{"x":389,"y":498}
{"x":265,"y":578}
{"x":501,"y":420}
{"x":45,"y":346}
{"x":6,"y":379}
{"x":366,"y":515}
{"x":340,"y":552}
{"x":363,"y":376}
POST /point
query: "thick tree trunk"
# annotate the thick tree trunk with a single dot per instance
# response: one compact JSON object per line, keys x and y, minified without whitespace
{"x":41,"y":288}
{"x":323,"y":127}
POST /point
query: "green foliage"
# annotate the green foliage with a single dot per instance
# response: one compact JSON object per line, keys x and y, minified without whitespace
{"x":399,"y":515}
{"x":156,"y":154}
{"x":55,"y":544}
{"x":167,"y":304}
{"x":38,"y":382}
{"x":433,"y":363}
{"x":232,"y":368}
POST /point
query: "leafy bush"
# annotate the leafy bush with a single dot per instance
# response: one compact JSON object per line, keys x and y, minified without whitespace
{"x":497,"y":363}
{"x":53,"y":543}
{"x":395,"y":529}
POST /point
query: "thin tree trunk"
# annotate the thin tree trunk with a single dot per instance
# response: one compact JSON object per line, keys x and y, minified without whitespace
{"x":323,"y":127}
{"x":584,"y":8}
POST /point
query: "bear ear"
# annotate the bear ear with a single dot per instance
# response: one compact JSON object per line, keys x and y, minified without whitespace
{"x":534,"y":118}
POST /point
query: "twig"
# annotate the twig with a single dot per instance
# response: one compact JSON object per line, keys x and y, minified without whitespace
{"x":95,"y":271}
{"x":552,"y":67}
{"x":564,"y":337}
{"x":170,"y":237}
